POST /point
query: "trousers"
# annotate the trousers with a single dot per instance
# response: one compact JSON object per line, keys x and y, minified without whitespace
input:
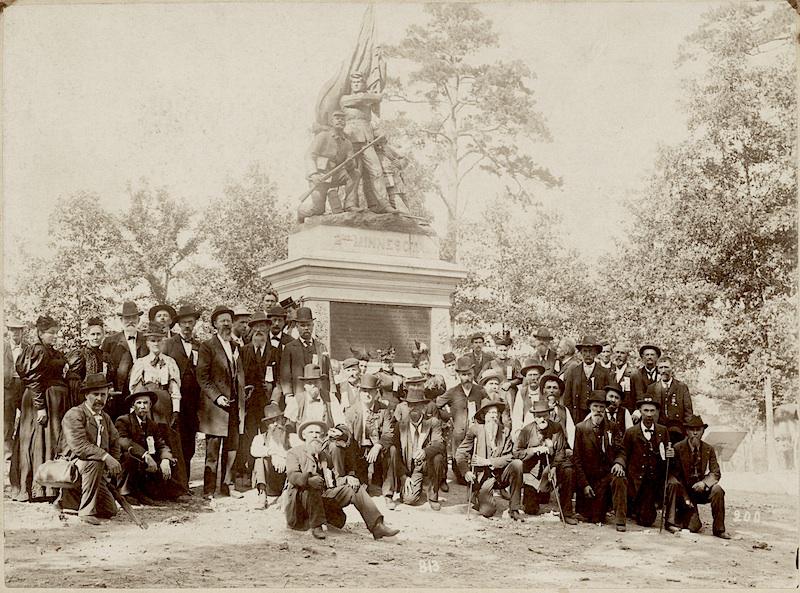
{"x":95,"y":497}
{"x":565,"y":481}
{"x":682,"y":504}
{"x":264,"y":473}
{"x":491,"y":478}
{"x":430,"y":470}
{"x":594,"y":509}
{"x":325,"y":506}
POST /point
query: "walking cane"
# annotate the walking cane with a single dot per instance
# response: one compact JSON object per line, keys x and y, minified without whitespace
{"x":126,"y":506}
{"x":469,"y":500}
{"x":664,"y":498}
{"x":555,"y":490}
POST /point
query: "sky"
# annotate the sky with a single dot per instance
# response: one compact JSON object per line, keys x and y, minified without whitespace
{"x":96,"y":97}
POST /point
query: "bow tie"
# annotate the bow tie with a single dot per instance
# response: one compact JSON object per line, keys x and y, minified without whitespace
{"x":650,"y":430}
{"x":131,"y":337}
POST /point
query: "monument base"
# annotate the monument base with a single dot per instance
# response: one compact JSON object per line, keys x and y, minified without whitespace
{"x":370,"y":289}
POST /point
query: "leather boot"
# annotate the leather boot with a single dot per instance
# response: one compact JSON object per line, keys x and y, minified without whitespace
{"x":380,"y":530}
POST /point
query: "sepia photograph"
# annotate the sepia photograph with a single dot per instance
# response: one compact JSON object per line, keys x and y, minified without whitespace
{"x":456,"y":295}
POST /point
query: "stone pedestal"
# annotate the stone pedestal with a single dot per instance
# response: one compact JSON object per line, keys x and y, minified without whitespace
{"x":369,"y":288}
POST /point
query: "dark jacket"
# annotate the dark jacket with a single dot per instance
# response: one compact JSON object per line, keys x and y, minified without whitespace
{"x":642,"y":458}
{"x":640,"y":381}
{"x":458,"y":402}
{"x":216,"y":377}
{"x":681,"y":465}
{"x":40,"y":367}
{"x":133,"y":437}
{"x":380,"y":428}
{"x":593,"y":454}
{"x":300,"y":466}
{"x":676,"y":403}
{"x":120,"y":363}
{"x":190,"y":388}
{"x":255,"y":372}
{"x":293,"y":360}
{"x":430,"y":434}
{"x":577,"y":388}
{"x":530,"y":436}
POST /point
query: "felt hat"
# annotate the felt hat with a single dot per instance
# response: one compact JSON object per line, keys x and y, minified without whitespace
{"x":647,"y":400}
{"x":44,"y":322}
{"x":240,"y":311}
{"x":151,"y":314}
{"x":530,"y":363}
{"x":415,"y":390}
{"x":139,"y":391}
{"x":551,"y":377}
{"x":504,"y":340}
{"x":448,"y":357}
{"x":540,"y":407}
{"x":644,"y":347}
{"x":129,"y":308}
{"x":276,"y":311}
{"x":155,"y":330}
{"x":695,"y":421}
{"x":186,"y":311}
{"x":464,"y":364}
{"x":219,"y":310}
{"x":271,"y":412}
{"x":370,"y":382}
{"x":312,"y":372}
{"x":257,"y":317}
{"x":476,"y":336}
{"x":94,"y":381}
{"x":597,"y":396}
{"x":543,"y":334}
{"x":304,"y":425}
{"x":304,"y":314}
{"x":288,"y":303}
{"x":12,"y":323}
{"x":349,"y":363}
{"x":590,"y":342}
{"x":485,"y":405}
{"x":615,"y":387}
{"x":490,"y":374}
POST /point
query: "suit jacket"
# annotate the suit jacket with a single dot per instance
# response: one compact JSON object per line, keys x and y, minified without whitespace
{"x":190,"y":388}
{"x":380,"y":427}
{"x":530,"y":436}
{"x":9,"y":370}
{"x":79,"y":435}
{"x":300,"y":466}
{"x":457,"y":400}
{"x":390,"y":395}
{"x":642,"y":458}
{"x":626,"y":381}
{"x":548,"y":361}
{"x":502,"y":366}
{"x":681,"y":466}
{"x":430,"y":434}
{"x":133,"y":438}
{"x":593,"y":455}
{"x":577,"y":388}
{"x":640,"y":382}
{"x":216,"y":377}
{"x":255,"y":371}
{"x":478,"y":363}
{"x":564,"y":367}
{"x":278,"y":353}
{"x":120,"y":363}
{"x":293,"y":361}
{"x":499,"y":453}
{"x":676,"y":403}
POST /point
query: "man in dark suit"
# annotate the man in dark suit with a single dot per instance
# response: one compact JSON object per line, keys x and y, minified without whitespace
{"x":147,"y":460}
{"x":389,"y":380}
{"x":313,"y":498}
{"x":544,"y":355}
{"x":622,"y":374}
{"x":122,"y":349}
{"x":675,"y":403}
{"x":640,"y":463}
{"x":164,"y":315}
{"x":463,"y":401}
{"x":89,"y":437}
{"x":220,"y":374}
{"x":278,"y":339}
{"x":12,"y":385}
{"x":566,"y":357}
{"x":694,"y":479}
{"x":184,"y":349}
{"x":485,"y":459}
{"x":582,"y":379}
{"x":298,"y":353}
{"x":479,"y":356}
{"x":646,"y":375}
{"x":594,"y":452}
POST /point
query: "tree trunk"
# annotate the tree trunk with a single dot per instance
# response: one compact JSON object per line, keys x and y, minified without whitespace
{"x":771,"y":457}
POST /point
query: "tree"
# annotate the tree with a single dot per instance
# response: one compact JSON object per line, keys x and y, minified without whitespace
{"x":479,"y":116}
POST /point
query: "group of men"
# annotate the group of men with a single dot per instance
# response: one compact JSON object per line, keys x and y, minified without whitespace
{"x":315,"y":434}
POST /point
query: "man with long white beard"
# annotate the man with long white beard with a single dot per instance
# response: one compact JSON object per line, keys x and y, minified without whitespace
{"x":269,"y":449}
{"x":542,"y":447}
{"x":694,"y":479}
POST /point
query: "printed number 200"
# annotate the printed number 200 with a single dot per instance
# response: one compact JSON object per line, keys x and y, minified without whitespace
{"x":429,"y":566}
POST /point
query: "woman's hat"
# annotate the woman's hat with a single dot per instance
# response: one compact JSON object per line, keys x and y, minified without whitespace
{"x":154,"y":330}
{"x":151,"y":314}
{"x":44,"y":322}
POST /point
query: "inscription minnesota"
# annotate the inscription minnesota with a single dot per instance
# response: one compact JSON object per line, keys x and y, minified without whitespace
{"x":372,"y":326}
{"x":408,"y":245}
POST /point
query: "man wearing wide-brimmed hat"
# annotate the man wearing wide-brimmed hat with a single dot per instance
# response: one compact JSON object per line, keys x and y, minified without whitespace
{"x":184,"y":349}
{"x":647,"y":374}
{"x":525,"y":395}
{"x":694,"y":479}
{"x":463,"y":401}
{"x":485,"y":458}
{"x":640,"y":463}
{"x":90,"y":438}
{"x":269,"y":449}
{"x":122,"y":349}
{"x":306,"y":349}
{"x":541,"y":448}
{"x":13,"y":345}
{"x":147,"y":459}
{"x":164,"y":315}
{"x":313,"y":498}
{"x":544,"y":354}
{"x":220,"y":373}
{"x":581,"y":380}
{"x":490,"y":380}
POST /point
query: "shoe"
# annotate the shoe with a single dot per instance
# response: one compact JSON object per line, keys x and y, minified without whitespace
{"x":132,"y":500}
{"x":318,"y":533}
{"x":390,"y":503}
{"x":380,"y":530}
{"x":91,"y":520}
{"x":570,"y":520}
{"x":621,"y":527}
{"x":233,"y":492}
{"x":224,"y":490}
{"x":723,"y":535}
{"x":183,"y":499}
{"x":516,"y":516}
{"x":673,"y":528}
{"x":444,"y":487}
{"x":435,"y":505}
{"x":147,"y":501}
{"x":261,"y":502}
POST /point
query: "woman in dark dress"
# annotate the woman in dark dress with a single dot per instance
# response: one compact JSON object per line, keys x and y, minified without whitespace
{"x":41,"y":368}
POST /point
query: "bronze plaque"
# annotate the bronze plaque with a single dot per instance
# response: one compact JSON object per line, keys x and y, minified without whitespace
{"x":371,"y":326}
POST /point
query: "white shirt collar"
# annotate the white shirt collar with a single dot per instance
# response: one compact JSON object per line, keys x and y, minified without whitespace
{"x":648,"y":436}
{"x":667,"y":384}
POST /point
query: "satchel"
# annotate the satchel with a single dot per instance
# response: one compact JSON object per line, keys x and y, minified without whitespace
{"x":58,"y":473}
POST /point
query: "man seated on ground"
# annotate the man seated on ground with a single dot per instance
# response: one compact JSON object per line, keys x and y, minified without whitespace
{"x":485,"y":459}
{"x":314,"y":499}
{"x":694,"y":479}
{"x":269,"y":449}
{"x":88,"y":436}
{"x":542,"y":448}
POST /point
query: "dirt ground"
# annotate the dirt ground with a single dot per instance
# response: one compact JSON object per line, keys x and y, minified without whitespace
{"x":228,"y":543}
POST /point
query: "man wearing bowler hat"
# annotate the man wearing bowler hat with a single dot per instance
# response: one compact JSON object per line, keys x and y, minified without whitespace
{"x":309,"y":404}
{"x":147,"y":459}
{"x":544,"y":354}
{"x":240,"y":333}
{"x":640,"y":463}
{"x":220,"y":373}
{"x":269,"y":449}
{"x":614,"y":410}
{"x":582,"y":379}
{"x":314,"y":498}
{"x":675,"y":403}
{"x":164,"y":315}
{"x":278,"y":338}
{"x":390,"y":381}
{"x":305,"y":350}
{"x":424,"y":455}
{"x":184,"y":349}
{"x":122,"y":349}
{"x":694,"y":479}
{"x":89,"y":437}
{"x":647,"y":374}
{"x":462,"y":402}
{"x":485,"y":459}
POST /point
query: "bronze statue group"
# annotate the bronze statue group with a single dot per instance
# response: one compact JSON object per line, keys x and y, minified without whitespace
{"x":115,"y":421}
